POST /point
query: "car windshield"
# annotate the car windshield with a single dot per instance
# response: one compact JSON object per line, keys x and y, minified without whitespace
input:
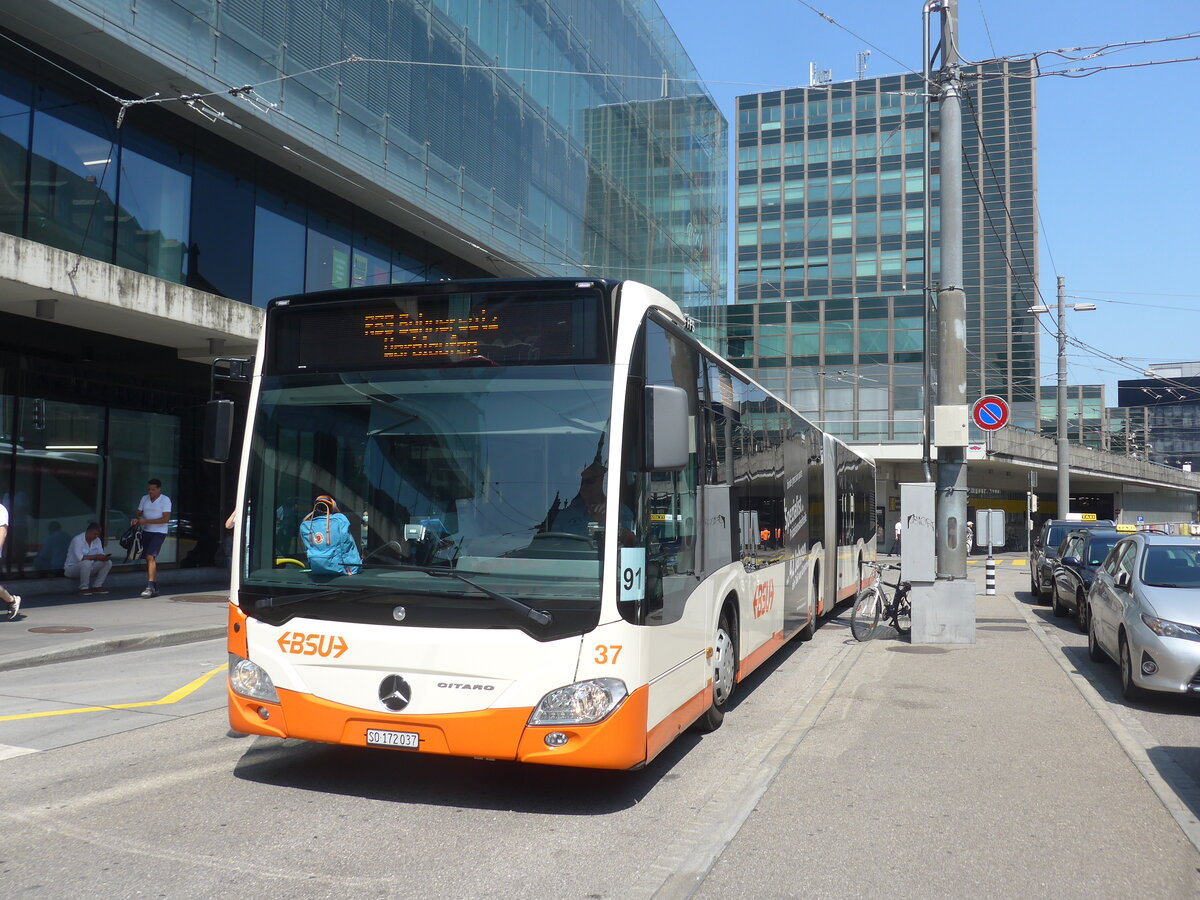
{"x":1098,"y":547}
{"x":1054,"y":537}
{"x":1172,"y":566}
{"x":453,"y":469}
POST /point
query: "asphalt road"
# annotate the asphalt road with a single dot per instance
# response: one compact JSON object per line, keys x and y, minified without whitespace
{"x":845,"y":770}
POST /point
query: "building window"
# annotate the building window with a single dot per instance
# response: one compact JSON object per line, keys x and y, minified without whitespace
{"x":839,"y":338}
{"x":221,"y":248}
{"x":15,"y":95}
{"x":73,"y":183}
{"x":909,"y":334}
{"x":153,"y":224}
{"x":279,"y":241}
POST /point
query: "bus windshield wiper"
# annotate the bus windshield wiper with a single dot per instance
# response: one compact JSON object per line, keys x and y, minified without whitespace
{"x":538,"y":616}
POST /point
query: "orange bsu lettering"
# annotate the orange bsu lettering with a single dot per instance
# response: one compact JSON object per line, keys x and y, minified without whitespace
{"x":764,"y":598}
{"x":323,"y":645}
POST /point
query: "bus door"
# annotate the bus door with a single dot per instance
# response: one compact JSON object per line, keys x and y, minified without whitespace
{"x":675,"y":612}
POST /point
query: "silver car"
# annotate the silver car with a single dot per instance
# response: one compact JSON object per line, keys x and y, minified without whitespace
{"x":1144,"y":612}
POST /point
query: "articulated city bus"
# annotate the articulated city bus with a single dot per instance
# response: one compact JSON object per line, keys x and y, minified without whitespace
{"x":574,"y":527}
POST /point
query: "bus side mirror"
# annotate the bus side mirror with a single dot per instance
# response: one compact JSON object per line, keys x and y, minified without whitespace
{"x":218,"y":430}
{"x":667,"y":445}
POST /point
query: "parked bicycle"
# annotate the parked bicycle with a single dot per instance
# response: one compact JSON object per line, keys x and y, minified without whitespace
{"x":874,"y":604}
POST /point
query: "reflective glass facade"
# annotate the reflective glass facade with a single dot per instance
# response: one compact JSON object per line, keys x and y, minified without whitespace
{"x":163,"y":197}
{"x":1085,"y":412}
{"x":830,"y":258}
{"x":468,"y":138}
{"x":514,"y":124}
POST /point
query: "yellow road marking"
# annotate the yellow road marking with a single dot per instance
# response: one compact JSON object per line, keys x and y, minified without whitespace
{"x":173,"y":697}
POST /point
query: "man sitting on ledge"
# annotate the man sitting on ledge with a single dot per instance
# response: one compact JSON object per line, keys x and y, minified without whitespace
{"x":87,"y":561}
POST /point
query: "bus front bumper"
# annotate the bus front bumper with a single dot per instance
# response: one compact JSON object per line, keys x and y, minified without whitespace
{"x":618,"y":742}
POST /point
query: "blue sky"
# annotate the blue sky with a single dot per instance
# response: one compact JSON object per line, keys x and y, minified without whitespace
{"x":1118,"y":151}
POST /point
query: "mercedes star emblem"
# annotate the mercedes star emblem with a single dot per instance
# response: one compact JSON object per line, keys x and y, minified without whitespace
{"x":394,"y":693}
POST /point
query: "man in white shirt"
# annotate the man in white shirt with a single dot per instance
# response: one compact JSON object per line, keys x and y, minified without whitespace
{"x":154,"y":512}
{"x":11,"y":601}
{"x":87,"y":561}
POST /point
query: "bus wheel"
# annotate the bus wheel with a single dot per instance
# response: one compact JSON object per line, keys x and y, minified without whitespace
{"x":808,"y":631}
{"x":724,"y":673}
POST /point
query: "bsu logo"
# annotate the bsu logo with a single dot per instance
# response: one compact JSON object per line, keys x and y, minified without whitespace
{"x":323,"y":645}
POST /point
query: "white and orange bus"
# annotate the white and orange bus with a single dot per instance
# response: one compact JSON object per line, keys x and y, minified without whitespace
{"x":579,"y":527}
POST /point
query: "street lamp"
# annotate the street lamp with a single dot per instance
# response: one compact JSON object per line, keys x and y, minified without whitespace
{"x":1064,"y":447}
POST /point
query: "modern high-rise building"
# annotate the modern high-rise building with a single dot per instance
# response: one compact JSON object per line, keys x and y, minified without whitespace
{"x":831,"y":217}
{"x":167,"y":168}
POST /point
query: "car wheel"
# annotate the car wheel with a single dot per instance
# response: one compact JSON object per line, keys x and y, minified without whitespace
{"x":1056,"y":606}
{"x":1095,"y":654}
{"x":1081,"y":615}
{"x":1129,"y":689}
{"x":1039,"y":592}
{"x":1033,"y":586}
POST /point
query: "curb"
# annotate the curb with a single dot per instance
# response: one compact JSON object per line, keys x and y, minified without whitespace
{"x":90,"y":649}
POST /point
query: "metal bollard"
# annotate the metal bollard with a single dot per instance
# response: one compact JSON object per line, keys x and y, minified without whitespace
{"x":990,"y":580}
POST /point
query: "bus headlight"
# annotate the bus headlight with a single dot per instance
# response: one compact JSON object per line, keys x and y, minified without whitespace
{"x":582,"y":703}
{"x":251,"y":680}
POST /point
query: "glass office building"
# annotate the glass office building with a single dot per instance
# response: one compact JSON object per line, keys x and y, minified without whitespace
{"x":830,"y":260}
{"x":212,"y":155}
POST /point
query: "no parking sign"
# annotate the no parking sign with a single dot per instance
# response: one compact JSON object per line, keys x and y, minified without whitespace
{"x":990,"y":413}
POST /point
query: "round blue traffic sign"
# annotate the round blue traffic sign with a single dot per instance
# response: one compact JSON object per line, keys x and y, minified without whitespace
{"x":990,"y":413}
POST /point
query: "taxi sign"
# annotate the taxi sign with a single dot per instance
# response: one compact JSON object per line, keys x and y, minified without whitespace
{"x":990,"y":413}
{"x":1126,"y":529}
{"x":1087,"y":517}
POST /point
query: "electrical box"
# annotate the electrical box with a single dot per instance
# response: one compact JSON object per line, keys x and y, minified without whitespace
{"x":950,"y":426}
{"x":918,"y":546}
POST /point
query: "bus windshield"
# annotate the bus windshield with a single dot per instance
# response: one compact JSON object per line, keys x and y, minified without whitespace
{"x":436,"y":470}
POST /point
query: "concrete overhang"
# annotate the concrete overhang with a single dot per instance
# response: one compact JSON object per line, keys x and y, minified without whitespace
{"x":45,"y":283}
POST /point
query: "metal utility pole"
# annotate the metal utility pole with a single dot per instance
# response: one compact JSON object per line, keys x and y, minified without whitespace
{"x":935,"y":543}
{"x":1064,"y":445}
{"x":951,"y":509}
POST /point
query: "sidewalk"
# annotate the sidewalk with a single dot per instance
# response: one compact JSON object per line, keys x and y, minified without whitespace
{"x":56,"y":624}
{"x":993,"y":769}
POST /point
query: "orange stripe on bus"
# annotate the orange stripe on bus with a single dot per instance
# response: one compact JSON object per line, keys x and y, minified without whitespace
{"x":670,"y":728}
{"x":761,"y":655}
{"x":619,"y":742}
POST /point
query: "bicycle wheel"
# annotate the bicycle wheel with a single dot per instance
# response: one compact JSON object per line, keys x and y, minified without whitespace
{"x":903,"y":617}
{"x":865,"y":615}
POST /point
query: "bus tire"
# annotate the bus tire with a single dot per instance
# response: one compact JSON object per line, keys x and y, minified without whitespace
{"x":809,"y":631}
{"x":724,"y":674}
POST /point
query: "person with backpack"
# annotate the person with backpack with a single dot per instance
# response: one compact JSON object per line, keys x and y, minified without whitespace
{"x":153,"y":516}
{"x":325,"y":534}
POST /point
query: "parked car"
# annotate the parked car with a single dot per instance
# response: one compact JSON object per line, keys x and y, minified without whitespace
{"x":1044,"y":552}
{"x":1079,"y":556}
{"x":1144,"y":612}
